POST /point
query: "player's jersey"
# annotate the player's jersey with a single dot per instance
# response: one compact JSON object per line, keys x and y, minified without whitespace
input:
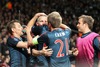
{"x":39,"y":30}
{"x":42,"y":58}
{"x":58,"y":40}
{"x":18,"y":55}
{"x":97,"y":50}
{"x":99,"y":45}
{"x":86,"y":50}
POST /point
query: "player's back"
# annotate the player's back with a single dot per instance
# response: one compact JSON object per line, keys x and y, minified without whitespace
{"x":58,"y":41}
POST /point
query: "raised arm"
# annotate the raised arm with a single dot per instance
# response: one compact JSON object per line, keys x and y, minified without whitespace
{"x":32,"y":21}
{"x":29,"y":26}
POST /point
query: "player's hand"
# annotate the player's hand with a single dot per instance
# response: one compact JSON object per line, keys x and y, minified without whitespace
{"x":39,"y":14}
{"x":47,"y":52}
{"x":75,"y":51}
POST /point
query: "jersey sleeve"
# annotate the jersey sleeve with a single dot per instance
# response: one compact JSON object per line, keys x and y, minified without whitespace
{"x":97,"y":42}
{"x":43,"y":39}
{"x":12,"y":42}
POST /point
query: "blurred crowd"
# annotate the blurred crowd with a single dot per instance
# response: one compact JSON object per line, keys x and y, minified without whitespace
{"x":23,"y":10}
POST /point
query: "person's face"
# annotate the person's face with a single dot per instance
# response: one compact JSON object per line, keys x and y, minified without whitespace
{"x":42,"y":21}
{"x":18,"y":29}
{"x":80,"y":25}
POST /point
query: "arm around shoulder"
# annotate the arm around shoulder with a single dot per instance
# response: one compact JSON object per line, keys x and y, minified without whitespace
{"x":63,"y":26}
{"x":22,"y":44}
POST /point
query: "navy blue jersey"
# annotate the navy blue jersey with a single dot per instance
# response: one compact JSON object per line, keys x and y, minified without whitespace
{"x":97,"y":42}
{"x":58,"y":40}
{"x":97,"y":50}
{"x":39,"y":30}
{"x":17,"y":55}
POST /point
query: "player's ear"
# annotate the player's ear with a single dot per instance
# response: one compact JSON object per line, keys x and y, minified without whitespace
{"x":37,"y":24}
{"x":12,"y":29}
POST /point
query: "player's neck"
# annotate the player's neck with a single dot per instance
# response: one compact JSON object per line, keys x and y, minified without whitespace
{"x":86,"y":31}
{"x":16,"y":35}
{"x":54,"y":29}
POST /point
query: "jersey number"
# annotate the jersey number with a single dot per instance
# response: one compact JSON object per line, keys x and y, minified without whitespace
{"x":60,"y":54}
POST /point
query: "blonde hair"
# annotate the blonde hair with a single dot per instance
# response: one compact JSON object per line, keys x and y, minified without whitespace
{"x":54,"y":19}
{"x":40,"y":17}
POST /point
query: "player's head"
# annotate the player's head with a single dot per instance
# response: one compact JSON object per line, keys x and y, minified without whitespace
{"x":85,"y":22}
{"x":14,"y":27}
{"x":37,"y":30}
{"x":42,"y":20}
{"x":54,"y":19}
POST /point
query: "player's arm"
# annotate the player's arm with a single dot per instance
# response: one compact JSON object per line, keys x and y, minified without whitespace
{"x":22,"y":44}
{"x":16,"y":43}
{"x":29,"y":37}
{"x":40,"y":39}
{"x":32,"y":21}
{"x":97,"y":45}
{"x":74,"y":52}
{"x":29,"y":26}
{"x":43,"y":39}
{"x":97,"y":42}
{"x":99,"y":63}
{"x":44,"y":51}
{"x":63,"y":26}
{"x":32,"y":41}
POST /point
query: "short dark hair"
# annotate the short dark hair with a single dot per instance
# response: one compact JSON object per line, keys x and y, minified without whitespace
{"x":11,"y":25}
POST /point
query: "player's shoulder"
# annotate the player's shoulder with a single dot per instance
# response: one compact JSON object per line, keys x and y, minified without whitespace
{"x":12,"y":38}
{"x":98,"y":37}
{"x":9,"y":39}
{"x":68,"y":31}
{"x":95,"y":33}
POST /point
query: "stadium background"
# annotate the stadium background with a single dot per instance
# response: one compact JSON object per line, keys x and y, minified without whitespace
{"x":24,"y":10}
